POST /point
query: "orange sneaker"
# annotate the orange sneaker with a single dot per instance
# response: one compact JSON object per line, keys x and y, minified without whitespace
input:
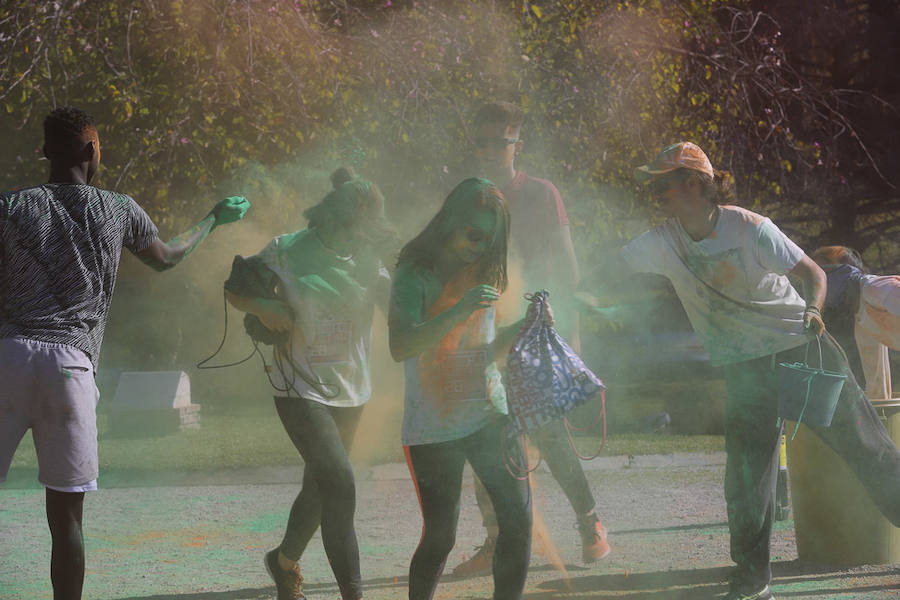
{"x":481,"y":562}
{"x":593,"y":538}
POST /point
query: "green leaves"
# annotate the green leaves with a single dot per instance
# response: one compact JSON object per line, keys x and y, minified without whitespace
{"x":188,"y":94}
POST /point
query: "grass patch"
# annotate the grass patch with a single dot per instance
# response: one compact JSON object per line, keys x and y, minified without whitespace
{"x":258,"y":440}
{"x":636,"y":444}
{"x":222,"y":442}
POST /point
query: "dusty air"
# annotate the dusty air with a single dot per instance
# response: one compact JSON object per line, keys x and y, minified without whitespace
{"x":439,"y":300}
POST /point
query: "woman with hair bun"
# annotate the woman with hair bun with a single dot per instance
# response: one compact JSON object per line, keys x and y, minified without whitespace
{"x":328,"y":282}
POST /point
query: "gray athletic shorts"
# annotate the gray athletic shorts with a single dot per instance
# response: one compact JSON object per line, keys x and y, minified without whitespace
{"x":50,"y":388}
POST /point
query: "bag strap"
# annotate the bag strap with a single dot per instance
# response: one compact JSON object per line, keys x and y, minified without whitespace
{"x":743,"y":305}
{"x":282,"y":360}
{"x":706,"y":284}
{"x":837,"y":345}
{"x":600,"y":416}
{"x":521,"y":471}
{"x":537,"y":300}
{"x":202,"y":364}
{"x":319,"y":385}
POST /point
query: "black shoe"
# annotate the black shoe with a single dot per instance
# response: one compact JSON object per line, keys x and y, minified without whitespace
{"x":287,"y":583}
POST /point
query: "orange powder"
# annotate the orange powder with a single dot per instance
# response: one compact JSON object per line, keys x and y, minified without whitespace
{"x":723,"y":274}
{"x":433,"y":362}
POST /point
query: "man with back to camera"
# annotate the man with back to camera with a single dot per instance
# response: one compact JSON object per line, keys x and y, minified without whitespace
{"x":541,"y":245}
{"x":60,"y":245}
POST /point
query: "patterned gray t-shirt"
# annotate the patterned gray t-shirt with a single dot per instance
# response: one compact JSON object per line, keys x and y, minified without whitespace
{"x":59,"y":254}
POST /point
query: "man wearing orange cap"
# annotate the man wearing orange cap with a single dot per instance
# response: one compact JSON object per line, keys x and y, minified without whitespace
{"x":730,"y":268}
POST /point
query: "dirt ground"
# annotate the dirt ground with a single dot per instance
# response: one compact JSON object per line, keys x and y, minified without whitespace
{"x":665,"y":515}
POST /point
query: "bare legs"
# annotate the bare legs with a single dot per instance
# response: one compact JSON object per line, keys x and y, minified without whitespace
{"x":64,"y":510}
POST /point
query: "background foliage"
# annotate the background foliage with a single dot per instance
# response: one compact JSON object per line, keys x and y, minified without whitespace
{"x":265,"y":97}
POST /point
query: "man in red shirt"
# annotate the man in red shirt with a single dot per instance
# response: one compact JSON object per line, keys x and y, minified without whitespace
{"x":541,"y":252}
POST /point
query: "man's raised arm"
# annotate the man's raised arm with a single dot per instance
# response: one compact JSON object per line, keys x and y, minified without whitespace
{"x":165,"y":255}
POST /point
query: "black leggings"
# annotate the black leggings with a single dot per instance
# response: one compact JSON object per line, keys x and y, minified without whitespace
{"x":323,"y":434}
{"x":437,"y":471}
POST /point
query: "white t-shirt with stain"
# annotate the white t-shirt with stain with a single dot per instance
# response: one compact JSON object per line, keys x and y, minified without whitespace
{"x":746,"y":258}
{"x":877,"y":329}
{"x":333,"y":299}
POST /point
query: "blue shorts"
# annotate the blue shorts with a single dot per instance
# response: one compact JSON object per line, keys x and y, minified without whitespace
{"x":50,"y":388}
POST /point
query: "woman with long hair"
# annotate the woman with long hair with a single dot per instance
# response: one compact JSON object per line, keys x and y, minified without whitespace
{"x":328,"y":281}
{"x":442,"y":327}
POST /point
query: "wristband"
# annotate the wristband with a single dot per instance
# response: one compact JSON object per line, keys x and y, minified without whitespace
{"x":813,"y":309}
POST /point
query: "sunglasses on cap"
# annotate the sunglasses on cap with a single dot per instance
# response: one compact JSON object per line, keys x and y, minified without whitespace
{"x":494,"y":142}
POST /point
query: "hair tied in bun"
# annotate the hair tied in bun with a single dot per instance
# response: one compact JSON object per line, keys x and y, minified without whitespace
{"x":341,"y":176}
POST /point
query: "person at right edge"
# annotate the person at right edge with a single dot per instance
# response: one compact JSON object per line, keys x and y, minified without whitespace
{"x":730,"y":268}
{"x":862,"y":311}
{"x":541,"y":245}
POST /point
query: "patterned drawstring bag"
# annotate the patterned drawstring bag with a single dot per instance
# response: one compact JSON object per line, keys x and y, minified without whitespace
{"x":545,"y":380}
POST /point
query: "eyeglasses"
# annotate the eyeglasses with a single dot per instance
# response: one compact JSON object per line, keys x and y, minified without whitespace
{"x":475,"y":235}
{"x":497,"y":143}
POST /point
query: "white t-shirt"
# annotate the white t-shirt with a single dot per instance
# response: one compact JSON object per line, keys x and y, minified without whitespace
{"x":453,"y":395}
{"x":745,"y":258}
{"x":333,"y":299}
{"x":877,"y":329}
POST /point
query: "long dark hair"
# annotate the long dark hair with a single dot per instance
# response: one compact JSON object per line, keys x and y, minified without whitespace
{"x":472,"y":195}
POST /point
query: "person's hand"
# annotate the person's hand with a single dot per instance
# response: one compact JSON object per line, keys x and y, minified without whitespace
{"x":275,"y":315}
{"x":610,"y":317}
{"x":230,"y":209}
{"x":812,"y":320}
{"x":478,"y":298}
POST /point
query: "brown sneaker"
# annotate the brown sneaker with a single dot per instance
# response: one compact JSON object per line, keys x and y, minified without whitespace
{"x":593,"y":538}
{"x":287,"y":583}
{"x":481,"y":562}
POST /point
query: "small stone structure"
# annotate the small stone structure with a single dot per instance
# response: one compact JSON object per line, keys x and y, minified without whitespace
{"x":153,"y":403}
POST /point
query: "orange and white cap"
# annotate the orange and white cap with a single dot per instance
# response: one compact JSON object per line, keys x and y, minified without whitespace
{"x":683,"y":155}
